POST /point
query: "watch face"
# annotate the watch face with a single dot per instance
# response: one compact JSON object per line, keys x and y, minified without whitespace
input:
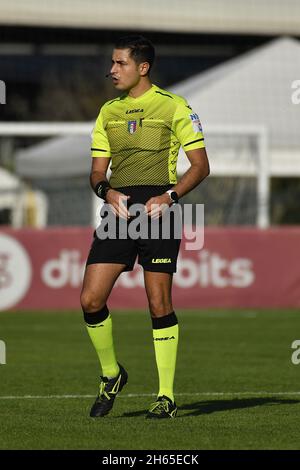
{"x":174,"y":196}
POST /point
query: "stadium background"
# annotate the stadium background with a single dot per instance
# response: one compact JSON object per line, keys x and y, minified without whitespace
{"x":237,"y":62}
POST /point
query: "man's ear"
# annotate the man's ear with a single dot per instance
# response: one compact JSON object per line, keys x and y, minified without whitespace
{"x":144,"y":68}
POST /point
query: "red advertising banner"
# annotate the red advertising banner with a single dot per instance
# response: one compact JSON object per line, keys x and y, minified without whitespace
{"x":236,"y":267}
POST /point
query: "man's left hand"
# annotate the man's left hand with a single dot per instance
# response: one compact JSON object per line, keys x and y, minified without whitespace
{"x":157,"y":205}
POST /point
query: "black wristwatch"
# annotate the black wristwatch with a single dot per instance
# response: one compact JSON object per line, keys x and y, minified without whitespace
{"x":101,"y":189}
{"x":173,"y":196}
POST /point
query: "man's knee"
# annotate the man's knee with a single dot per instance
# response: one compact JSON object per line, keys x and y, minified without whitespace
{"x":90,"y":303}
{"x":159,"y":306}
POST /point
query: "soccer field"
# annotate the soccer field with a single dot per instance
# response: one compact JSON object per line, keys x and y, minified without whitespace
{"x":236,"y":386}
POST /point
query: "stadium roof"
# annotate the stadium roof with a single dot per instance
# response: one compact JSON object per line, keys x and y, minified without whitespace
{"x":253,"y":90}
{"x":270,"y":17}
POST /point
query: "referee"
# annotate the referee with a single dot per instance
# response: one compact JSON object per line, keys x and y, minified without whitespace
{"x":140,"y":134}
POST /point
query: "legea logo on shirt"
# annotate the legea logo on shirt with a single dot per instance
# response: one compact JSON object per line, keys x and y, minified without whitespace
{"x":131,"y":111}
{"x":196,"y":122}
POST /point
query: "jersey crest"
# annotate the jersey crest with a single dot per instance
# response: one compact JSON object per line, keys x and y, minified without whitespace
{"x":132,"y":127}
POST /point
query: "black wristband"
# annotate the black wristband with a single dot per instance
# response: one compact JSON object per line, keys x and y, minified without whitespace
{"x":101,"y":189}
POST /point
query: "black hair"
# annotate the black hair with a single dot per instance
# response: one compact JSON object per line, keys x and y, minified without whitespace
{"x":141,"y":49}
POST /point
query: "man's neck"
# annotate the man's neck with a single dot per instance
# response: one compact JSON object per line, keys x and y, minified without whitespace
{"x":140,"y":88}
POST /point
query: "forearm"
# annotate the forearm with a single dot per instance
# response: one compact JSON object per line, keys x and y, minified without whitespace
{"x":191,"y":178}
{"x":96,"y":177}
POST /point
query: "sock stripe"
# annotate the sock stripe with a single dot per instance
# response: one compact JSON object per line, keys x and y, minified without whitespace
{"x":96,"y":317}
{"x":164,"y":322}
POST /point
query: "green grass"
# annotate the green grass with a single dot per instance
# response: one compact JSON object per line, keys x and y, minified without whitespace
{"x":232,"y":368}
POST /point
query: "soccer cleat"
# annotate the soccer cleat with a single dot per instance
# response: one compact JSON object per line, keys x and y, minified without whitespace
{"x":162,"y":408}
{"x":109,"y":388}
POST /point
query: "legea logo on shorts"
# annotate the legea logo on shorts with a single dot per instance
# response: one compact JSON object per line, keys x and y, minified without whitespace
{"x":15,"y":272}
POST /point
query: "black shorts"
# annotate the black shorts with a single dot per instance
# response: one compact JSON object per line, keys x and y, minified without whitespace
{"x":156,"y":254}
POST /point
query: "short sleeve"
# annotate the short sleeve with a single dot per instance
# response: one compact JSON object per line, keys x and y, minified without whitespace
{"x":100,"y":143}
{"x":187,"y":128}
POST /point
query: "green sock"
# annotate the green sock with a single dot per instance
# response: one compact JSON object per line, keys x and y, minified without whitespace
{"x":165,"y":346}
{"x":102,"y":339}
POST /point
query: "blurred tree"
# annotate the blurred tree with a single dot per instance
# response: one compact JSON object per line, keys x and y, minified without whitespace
{"x":72,"y":96}
{"x":285,"y":197}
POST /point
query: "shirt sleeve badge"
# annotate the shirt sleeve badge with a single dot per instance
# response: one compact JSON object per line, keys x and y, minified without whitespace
{"x":197,"y":127}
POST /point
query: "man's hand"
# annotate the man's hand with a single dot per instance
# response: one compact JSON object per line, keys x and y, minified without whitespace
{"x":117,"y":202}
{"x":156,"y":206}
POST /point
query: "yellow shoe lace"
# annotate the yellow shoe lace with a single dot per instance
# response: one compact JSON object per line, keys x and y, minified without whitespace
{"x":159,"y":405}
{"x":102,"y":390}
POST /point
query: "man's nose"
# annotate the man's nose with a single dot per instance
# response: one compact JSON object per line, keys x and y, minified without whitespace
{"x":114,"y":68}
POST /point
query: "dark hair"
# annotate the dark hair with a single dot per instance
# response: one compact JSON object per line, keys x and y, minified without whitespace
{"x":141,"y":49}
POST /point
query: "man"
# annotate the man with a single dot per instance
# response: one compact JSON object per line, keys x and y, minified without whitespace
{"x":140,"y":133}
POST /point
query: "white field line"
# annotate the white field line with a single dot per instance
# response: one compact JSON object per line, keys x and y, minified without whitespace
{"x":140,"y":395}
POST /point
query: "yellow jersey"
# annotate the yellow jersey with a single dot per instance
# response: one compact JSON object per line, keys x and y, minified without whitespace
{"x":143,"y":135}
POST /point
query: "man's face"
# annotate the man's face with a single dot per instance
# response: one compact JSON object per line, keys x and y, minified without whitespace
{"x":125,"y":72}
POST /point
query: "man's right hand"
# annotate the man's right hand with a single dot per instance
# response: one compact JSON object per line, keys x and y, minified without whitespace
{"x":118,"y":203}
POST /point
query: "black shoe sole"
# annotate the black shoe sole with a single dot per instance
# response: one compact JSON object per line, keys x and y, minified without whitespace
{"x":160,"y":417}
